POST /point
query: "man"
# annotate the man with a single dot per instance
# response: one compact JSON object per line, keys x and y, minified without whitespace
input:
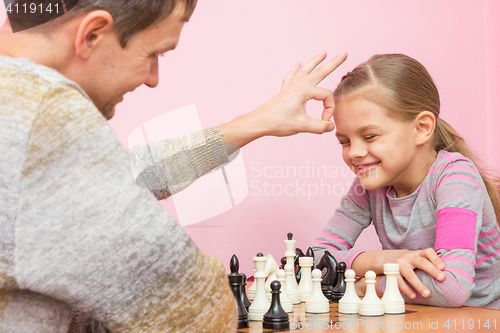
{"x":77,"y":233}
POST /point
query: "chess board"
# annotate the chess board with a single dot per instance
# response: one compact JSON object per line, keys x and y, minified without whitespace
{"x":300,"y":320}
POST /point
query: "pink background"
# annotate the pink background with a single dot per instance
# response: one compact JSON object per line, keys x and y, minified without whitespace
{"x":233,"y":56}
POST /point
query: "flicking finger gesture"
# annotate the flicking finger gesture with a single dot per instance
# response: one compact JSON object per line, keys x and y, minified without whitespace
{"x":285,"y":114}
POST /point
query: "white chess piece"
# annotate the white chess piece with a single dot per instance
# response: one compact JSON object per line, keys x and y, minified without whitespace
{"x":286,"y":302}
{"x":260,"y":304}
{"x":252,"y":289}
{"x":290,"y":257}
{"x":392,"y":299}
{"x":349,"y":303}
{"x":291,"y":287}
{"x":305,"y":285}
{"x":317,"y":302}
{"x":371,"y":305}
{"x":270,"y":270}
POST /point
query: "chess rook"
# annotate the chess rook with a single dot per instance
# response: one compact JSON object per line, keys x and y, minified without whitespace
{"x":317,"y":302}
{"x":349,"y":303}
{"x":392,"y":299}
{"x":371,"y":305}
{"x":260,"y":304}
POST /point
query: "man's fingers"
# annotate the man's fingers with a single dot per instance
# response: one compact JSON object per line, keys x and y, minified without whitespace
{"x":311,"y":64}
{"x":312,"y":125}
{"x":290,"y":76}
{"x":320,"y":73}
{"x":325,"y":95}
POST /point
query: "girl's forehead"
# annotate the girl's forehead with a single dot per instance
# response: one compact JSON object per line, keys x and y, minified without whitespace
{"x":359,"y":114}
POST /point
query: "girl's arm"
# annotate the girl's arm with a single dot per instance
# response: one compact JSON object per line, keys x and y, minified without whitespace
{"x":349,"y":220}
{"x":426,"y":260}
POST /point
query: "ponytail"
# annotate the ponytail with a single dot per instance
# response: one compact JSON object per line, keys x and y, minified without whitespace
{"x":446,"y":138}
{"x":404,"y":88}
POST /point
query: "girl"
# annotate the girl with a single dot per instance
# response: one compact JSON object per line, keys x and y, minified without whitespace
{"x":434,"y":210}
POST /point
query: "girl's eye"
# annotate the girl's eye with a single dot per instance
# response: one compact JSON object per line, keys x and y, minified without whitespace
{"x":343,"y":143}
{"x":370,"y":137}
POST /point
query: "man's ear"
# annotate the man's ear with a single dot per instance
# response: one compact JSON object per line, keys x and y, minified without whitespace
{"x":425,"y":124}
{"x":92,"y":30}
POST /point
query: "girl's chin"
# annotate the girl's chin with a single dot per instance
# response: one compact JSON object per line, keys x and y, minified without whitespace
{"x":369,"y":184}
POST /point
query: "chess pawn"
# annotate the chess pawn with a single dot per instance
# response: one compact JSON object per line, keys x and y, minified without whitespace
{"x":317,"y":302}
{"x":285,"y":300}
{"x":260,"y":303}
{"x":276,"y":318}
{"x":339,"y":289}
{"x":371,"y":305}
{"x":392,"y":299}
{"x":349,"y":303}
{"x":291,"y":284}
{"x":305,"y":285}
{"x":236,"y":282}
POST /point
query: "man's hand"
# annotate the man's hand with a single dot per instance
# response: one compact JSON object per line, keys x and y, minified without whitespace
{"x":285,"y":114}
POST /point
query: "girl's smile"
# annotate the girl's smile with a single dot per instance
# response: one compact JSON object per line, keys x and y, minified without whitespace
{"x":380,"y":149}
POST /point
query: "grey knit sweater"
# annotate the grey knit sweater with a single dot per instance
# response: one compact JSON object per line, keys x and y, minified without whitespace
{"x":78,"y":233}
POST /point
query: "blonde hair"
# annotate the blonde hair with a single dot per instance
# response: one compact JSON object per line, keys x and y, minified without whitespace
{"x":403,"y":87}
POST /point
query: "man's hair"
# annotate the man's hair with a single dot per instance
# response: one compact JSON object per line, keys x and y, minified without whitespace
{"x":130,"y":16}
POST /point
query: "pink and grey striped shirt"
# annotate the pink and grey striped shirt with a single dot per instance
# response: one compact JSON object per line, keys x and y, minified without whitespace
{"x":450,"y":211}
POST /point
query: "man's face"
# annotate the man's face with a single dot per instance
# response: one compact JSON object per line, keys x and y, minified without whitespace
{"x":124,"y":69}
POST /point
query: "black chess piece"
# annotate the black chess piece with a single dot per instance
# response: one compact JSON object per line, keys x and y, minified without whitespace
{"x":236,"y":282}
{"x":310,"y":253}
{"x":339,"y":290}
{"x":329,"y":281}
{"x":244,"y":297}
{"x":276,"y":318}
{"x":298,"y":269}
{"x":283,"y":262}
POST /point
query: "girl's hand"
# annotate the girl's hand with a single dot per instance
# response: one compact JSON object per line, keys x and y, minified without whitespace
{"x":426,"y":260}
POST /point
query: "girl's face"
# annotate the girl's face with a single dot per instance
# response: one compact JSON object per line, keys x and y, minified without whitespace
{"x":379,"y":149}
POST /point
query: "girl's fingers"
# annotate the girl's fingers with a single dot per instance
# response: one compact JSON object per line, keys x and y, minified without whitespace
{"x":404,"y":288}
{"x":413,"y":279}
